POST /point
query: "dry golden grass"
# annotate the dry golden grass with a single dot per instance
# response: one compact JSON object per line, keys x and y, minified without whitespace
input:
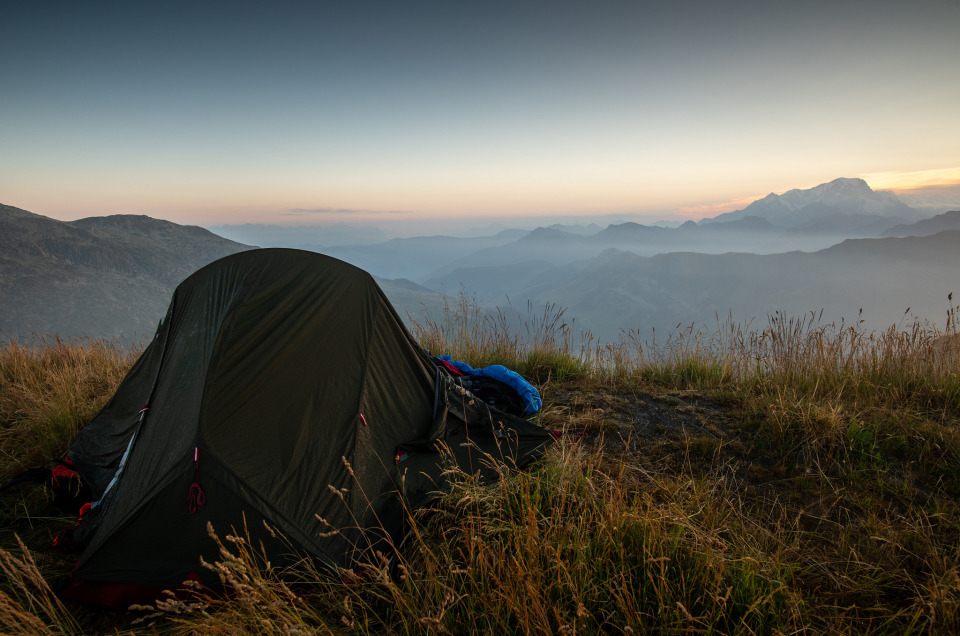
{"x":812,"y":485}
{"x":27,"y":604}
{"x":916,"y":362}
{"x":48,"y":391}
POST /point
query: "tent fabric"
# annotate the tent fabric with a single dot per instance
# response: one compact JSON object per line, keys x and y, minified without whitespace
{"x":294,"y":383}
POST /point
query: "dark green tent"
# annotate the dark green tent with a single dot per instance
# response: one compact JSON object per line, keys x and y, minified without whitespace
{"x":276,"y":378}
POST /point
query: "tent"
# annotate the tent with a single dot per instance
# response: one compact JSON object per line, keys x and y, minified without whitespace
{"x":280,"y":387}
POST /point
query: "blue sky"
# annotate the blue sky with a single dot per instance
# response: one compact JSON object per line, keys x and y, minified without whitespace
{"x":230,"y":112}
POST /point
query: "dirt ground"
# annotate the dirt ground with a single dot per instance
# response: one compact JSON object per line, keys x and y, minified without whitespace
{"x":637,"y":421}
{"x":674,"y":432}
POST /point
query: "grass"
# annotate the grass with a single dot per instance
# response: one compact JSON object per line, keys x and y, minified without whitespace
{"x":588,"y":550}
{"x":799,"y":477}
{"x":50,"y":389}
{"x":544,"y":348}
{"x":28,"y":605}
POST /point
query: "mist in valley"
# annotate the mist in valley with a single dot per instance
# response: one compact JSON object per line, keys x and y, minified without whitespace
{"x":841,"y":252}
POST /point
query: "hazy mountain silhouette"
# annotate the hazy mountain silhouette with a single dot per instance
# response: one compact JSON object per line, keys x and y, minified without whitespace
{"x":842,"y":204}
{"x":114,"y":275}
{"x":807,"y":220}
{"x":621,"y":290}
{"x":412,"y":301}
{"x":582,"y":230}
{"x":748,"y":234}
{"x":101,"y":276}
{"x":418,"y":257}
{"x":926,"y":227}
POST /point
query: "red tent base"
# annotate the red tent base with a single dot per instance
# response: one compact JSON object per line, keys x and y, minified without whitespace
{"x":119,"y":595}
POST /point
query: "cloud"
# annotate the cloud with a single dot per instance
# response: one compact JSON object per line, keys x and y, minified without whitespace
{"x":344,"y":211}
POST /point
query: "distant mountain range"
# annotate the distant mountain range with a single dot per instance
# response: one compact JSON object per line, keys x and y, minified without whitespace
{"x":926,"y":227}
{"x":806,"y":220}
{"x":108,"y":276}
{"x":418,"y":257}
{"x":620,"y":291}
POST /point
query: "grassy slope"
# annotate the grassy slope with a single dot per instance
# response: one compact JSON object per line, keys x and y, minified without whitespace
{"x":796,"y":478}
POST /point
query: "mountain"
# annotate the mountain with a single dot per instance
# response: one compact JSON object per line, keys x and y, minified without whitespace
{"x":842,"y":204}
{"x":412,"y":302}
{"x":926,"y":227}
{"x":582,"y":230}
{"x":621,"y":290}
{"x":549,"y":234}
{"x":100,"y":277}
{"x":415,"y":258}
{"x":113,"y":276}
{"x":549,"y":245}
{"x":806,"y":220}
{"x":688,"y":233}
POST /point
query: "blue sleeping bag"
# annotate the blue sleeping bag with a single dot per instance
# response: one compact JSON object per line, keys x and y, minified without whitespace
{"x":528,"y":393}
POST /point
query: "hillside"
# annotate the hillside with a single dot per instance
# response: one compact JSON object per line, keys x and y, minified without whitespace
{"x":925,"y":227}
{"x":102,"y":276}
{"x":114,"y":275}
{"x":620,"y":290}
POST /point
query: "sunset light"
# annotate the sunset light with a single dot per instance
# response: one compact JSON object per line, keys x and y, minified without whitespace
{"x":241,"y":114}
{"x":914,"y":179}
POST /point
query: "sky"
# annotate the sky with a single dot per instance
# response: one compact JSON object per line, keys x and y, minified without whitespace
{"x":213,"y":112}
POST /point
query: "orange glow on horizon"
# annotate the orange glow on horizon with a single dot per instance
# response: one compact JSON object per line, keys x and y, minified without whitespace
{"x":294,"y":203}
{"x":697,"y":212}
{"x":913,"y":180}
